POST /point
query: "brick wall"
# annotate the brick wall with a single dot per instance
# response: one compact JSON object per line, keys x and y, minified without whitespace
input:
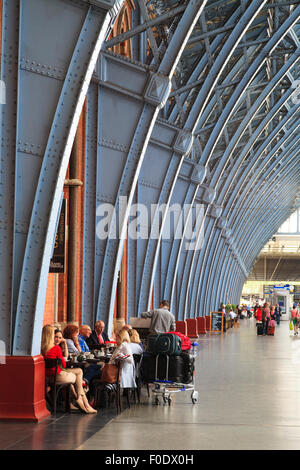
{"x":62,"y":288}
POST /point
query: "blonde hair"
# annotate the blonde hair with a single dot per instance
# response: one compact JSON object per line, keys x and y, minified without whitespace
{"x":47,"y":338}
{"x":134,"y":336}
{"x":124,"y":336}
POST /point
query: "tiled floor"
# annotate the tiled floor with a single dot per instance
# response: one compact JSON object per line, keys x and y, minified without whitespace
{"x":248,"y":399}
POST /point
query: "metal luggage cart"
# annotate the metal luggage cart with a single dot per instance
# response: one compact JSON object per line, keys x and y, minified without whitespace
{"x":165,"y":388}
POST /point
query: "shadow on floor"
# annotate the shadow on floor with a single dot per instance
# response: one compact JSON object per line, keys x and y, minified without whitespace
{"x":65,"y":432}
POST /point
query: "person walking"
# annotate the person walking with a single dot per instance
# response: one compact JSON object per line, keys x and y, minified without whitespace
{"x":277,"y":314}
{"x":265,"y":318}
{"x":258,"y":314}
{"x":295,"y":317}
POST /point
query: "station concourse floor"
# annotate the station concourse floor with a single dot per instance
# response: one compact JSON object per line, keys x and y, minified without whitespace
{"x":248,"y":400}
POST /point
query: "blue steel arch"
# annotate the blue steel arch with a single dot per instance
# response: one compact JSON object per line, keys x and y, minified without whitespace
{"x":59,"y":76}
{"x":169,"y":147}
{"x":274,"y":39}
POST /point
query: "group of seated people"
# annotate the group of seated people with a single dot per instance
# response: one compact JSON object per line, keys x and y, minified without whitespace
{"x":74,"y":340}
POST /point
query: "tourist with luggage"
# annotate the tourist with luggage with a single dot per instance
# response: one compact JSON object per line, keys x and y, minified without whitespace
{"x":162,"y":320}
{"x":265,"y":318}
{"x":271,"y":327}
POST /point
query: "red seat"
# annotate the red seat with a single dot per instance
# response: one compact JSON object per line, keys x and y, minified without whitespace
{"x":207,"y":322}
{"x":181,"y":326}
{"x":192,"y":330}
{"x":201,"y":325}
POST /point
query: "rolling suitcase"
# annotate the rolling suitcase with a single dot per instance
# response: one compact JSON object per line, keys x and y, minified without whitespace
{"x":260,"y":329}
{"x":164,"y":344}
{"x":175,"y":372}
{"x":271,"y":330}
{"x":189,"y":367}
{"x":271,"y":327}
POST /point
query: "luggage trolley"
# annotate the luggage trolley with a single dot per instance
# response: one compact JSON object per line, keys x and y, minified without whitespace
{"x":162,"y":387}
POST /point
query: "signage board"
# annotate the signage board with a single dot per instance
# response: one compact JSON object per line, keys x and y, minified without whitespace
{"x":216,"y":322}
{"x":57,"y":262}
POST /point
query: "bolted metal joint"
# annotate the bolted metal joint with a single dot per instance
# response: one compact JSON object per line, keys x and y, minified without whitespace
{"x":209,"y":195}
{"x":183,"y":143}
{"x":215,"y":211}
{"x":222,"y":222}
{"x":198,"y":174}
{"x":157,"y":90}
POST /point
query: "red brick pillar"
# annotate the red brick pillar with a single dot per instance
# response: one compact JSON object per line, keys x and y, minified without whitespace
{"x":22,"y":391}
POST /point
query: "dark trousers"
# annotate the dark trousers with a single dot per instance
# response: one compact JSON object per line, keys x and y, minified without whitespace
{"x":265,"y":326}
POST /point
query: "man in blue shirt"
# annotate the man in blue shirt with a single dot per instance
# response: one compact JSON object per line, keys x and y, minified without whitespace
{"x":94,"y":370}
{"x":84,"y":333}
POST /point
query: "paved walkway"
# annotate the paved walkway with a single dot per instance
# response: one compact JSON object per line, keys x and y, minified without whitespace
{"x":249,"y":398}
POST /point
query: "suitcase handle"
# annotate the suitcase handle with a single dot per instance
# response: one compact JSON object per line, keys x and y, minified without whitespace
{"x":156,"y":368}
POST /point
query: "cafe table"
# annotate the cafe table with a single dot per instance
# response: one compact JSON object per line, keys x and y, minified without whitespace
{"x":96,"y":360}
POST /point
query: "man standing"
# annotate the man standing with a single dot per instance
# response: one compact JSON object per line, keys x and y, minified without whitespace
{"x":97,"y":337}
{"x":162,"y":320}
{"x":277,"y":313}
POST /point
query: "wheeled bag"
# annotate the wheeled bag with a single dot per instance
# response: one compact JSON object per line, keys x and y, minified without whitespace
{"x":260,"y":328}
{"x":164,"y":344}
{"x":271,"y":330}
{"x":188,"y":367}
{"x":172,"y":371}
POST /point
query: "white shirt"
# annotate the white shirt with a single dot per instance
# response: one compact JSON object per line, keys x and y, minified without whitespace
{"x":136,"y":348}
{"x":128,"y":367}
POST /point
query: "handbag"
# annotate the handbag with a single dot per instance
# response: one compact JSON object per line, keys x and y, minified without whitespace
{"x":291,"y":326}
{"x":110,"y":373}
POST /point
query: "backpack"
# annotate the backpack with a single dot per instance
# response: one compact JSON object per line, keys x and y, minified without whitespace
{"x":164,"y":343}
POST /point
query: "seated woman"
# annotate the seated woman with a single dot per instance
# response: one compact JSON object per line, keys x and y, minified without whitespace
{"x":123,"y":353}
{"x":135,"y":342}
{"x":70,"y":334}
{"x":90,"y":372}
{"x":60,"y":341}
{"x":73,"y":376}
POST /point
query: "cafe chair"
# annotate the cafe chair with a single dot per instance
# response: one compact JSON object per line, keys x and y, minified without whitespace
{"x":113,"y":390}
{"x":137,"y":362}
{"x":52,"y":395}
{"x":138,"y":358}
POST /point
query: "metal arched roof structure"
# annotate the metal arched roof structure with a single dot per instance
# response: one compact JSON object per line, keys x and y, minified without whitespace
{"x":204,"y":115}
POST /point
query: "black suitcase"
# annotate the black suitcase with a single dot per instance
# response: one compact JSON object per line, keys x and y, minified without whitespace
{"x":174,"y":374}
{"x":189,"y":367}
{"x":164,"y":344}
{"x":260,"y":328}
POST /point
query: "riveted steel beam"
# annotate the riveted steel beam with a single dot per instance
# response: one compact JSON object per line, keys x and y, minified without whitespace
{"x":251,"y":182}
{"x":265,"y":231}
{"x":9,"y":74}
{"x":144,"y":26}
{"x":228,"y":274}
{"x":225,"y":188}
{"x":90,"y":206}
{"x":238,"y":161}
{"x":129,"y":176}
{"x":288,"y":153}
{"x":54,"y":127}
{"x":252,"y":222}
